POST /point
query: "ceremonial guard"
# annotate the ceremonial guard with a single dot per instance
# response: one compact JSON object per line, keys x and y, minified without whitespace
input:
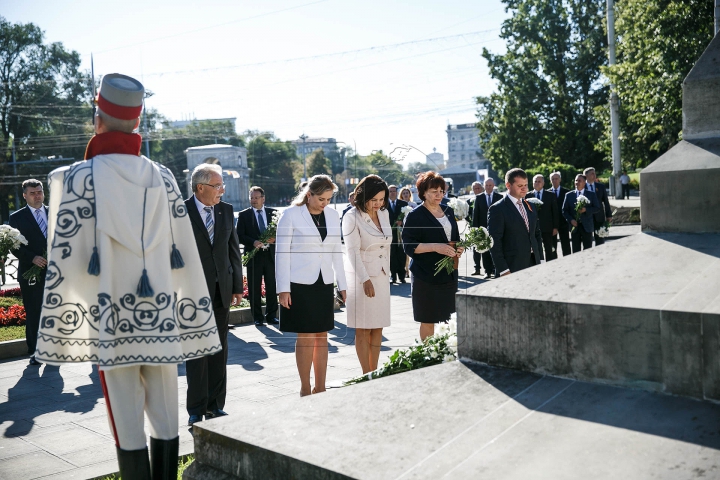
{"x":121,"y":287}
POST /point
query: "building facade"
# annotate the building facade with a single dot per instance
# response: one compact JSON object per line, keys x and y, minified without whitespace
{"x":466,"y":163}
{"x":309,"y":145}
{"x":236,"y":175}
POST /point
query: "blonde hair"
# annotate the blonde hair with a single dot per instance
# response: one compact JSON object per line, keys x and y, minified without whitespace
{"x":405,"y":189}
{"x":317,"y":185}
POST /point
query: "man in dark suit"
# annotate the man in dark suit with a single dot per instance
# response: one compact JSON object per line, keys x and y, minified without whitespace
{"x":605,"y":213}
{"x":582,"y":231}
{"x":513,"y":225}
{"x":548,"y":216}
{"x":219,"y":248}
{"x":480,"y":219}
{"x":563,"y":229}
{"x":477,"y":190}
{"x":252,"y":222}
{"x":397,"y":254}
{"x":32,"y":221}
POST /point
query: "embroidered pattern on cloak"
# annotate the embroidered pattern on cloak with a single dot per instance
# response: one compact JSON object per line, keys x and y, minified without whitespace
{"x":104,"y":203}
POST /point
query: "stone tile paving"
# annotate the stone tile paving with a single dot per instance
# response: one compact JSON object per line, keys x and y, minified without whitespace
{"x":53,"y":420}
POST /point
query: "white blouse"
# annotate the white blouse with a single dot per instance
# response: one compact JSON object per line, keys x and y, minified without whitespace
{"x":447,"y":226}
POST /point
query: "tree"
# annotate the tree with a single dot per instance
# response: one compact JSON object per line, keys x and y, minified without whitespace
{"x":44,"y":103}
{"x":273,"y":164}
{"x":658,"y":42}
{"x":548,"y":86}
{"x":317,"y":163}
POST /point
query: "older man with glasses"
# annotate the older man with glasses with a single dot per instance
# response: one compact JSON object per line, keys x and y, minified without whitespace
{"x":217,"y":242}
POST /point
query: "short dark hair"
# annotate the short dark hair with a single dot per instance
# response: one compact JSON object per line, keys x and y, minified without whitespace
{"x":257,"y":189}
{"x":514,"y":173}
{"x":429,"y":180}
{"x":581,"y":176}
{"x":588,"y":170}
{"x":31,"y":183}
{"x":367,"y":189}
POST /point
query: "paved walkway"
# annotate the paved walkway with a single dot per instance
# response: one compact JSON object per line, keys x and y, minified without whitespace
{"x":53,"y":419}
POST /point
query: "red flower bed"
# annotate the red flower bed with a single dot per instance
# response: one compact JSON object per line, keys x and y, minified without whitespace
{"x":11,"y":292}
{"x":246,"y":293}
{"x":13,"y":315}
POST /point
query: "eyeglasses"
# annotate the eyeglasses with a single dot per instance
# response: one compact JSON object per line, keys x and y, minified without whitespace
{"x":216,"y":187}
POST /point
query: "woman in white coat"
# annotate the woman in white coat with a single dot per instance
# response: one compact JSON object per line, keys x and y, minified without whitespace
{"x":308,"y":259}
{"x":368,"y":236}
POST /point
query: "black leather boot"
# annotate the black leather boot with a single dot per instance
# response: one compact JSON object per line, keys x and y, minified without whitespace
{"x":164,"y":457}
{"x":134,"y":464}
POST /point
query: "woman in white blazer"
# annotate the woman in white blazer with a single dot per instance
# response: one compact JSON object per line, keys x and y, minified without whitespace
{"x":368,"y":236}
{"x":308,"y":260}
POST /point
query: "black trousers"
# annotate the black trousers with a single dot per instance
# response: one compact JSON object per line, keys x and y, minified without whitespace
{"x":549,"y":244}
{"x":262,"y":265}
{"x":397,"y":259}
{"x":625,"y":191}
{"x":488,"y":264}
{"x":476,"y":259}
{"x":564,"y":234}
{"x":32,"y":296}
{"x":580,"y":236}
{"x":207,"y":376}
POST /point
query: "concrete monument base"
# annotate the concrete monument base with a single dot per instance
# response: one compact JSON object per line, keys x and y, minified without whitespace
{"x":464,"y":420}
{"x":643,"y":312}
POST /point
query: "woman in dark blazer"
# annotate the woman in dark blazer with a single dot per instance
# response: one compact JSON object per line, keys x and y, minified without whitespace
{"x":426,"y":235}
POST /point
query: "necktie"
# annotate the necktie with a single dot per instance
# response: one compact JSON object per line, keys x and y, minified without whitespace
{"x":209,"y":223}
{"x":261,"y":222}
{"x":557,"y":192}
{"x":489,"y":199}
{"x":41,"y":223}
{"x":524,"y":214}
{"x":592,"y":187}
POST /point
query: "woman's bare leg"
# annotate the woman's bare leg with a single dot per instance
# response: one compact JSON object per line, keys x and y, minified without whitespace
{"x":426,"y":330}
{"x":304,"y":348}
{"x":319,"y":361}
{"x":362,"y":347}
{"x":375,"y":338}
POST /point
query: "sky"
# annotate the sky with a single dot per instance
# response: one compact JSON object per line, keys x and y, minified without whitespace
{"x":374,"y":74}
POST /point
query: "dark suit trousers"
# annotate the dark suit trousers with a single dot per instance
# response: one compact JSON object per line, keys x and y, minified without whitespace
{"x":580,"y":236}
{"x":397,"y":258}
{"x":207,"y":376}
{"x":488,"y":264}
{"x":564,"y":234}
{"x":32,"y":296}
{"x":476,"y":259}
{"x":262,"y":265}
{"x":549,"y":244}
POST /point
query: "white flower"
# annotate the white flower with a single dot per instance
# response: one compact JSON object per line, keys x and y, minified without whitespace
{"x":534,"y":200}
{"x":583,"y":199}
{"x":433,"y":354}
{"x":448,"y":358}
{"x":452,"y":343}
{"x":460,"y":208}
{"x":406,"y":209}
{"x":603,"y":232}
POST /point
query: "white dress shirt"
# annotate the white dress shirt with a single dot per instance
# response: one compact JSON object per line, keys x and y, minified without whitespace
{"x":201,"y":208}
{"x":43,"y":214}
{"x":538,"y":194}
{"x":262,"y":213}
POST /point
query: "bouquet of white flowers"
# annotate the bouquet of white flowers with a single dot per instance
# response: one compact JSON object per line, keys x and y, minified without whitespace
{"x":460,"y":208}
{"x":401,"y":217}
{"x":535,"y":201}
{"x":581,"y":202}
{"x":270,"y":232}
{"x":477,"y":237}
{"x":603,"y":231}
{"x":10,"y":239}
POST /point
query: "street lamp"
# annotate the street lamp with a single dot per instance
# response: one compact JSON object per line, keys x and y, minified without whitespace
{"x":304,"y":137}
{"x":406,"y":148}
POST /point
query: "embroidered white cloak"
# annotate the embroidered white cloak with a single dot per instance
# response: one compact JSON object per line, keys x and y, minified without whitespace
{"x":131,"y":209}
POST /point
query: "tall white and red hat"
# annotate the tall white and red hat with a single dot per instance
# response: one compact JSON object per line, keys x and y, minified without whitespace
{"x":121,"y":96}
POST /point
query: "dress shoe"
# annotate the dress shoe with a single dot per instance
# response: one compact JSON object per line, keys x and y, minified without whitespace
{"x":194,"y":419}
{"x":259,"y":323}
{"x":215,"y":413}
{"x":272,"y":321}
{"x":476,"y":272}
{"x":487,"y":276}
{"x":34,"y":362}
{"x":402,"y":280}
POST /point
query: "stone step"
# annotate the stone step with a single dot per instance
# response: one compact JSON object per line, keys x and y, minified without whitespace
{"x":464,"y":420}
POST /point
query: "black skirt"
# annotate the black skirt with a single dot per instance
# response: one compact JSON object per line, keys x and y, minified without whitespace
{"x":312,"y":309}
{"x":433,"y":303}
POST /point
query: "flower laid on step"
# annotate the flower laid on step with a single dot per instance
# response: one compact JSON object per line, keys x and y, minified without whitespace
{"x":477,"y":237}
{"x":436,"y":349}
{"x":460,"y":208}
{"x":10,"y":239}
{"x":265,"y":237}
{"x":580,"y":202}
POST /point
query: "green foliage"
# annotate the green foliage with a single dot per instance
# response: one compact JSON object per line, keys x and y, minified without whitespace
{"x":10,"y":301}
{"x":658,"y":42}
{"x":317,"y":163}
{"x":13,"y":332}
{"x":183,"y":463}
{"x":567,"y":174}
{"x":548,"y":86}
{"x":272,"y":163}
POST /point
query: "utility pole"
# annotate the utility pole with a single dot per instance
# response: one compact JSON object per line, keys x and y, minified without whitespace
{"x":17,"y":191}
{"x":304,"y":137}
{"x":615,"y":187}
